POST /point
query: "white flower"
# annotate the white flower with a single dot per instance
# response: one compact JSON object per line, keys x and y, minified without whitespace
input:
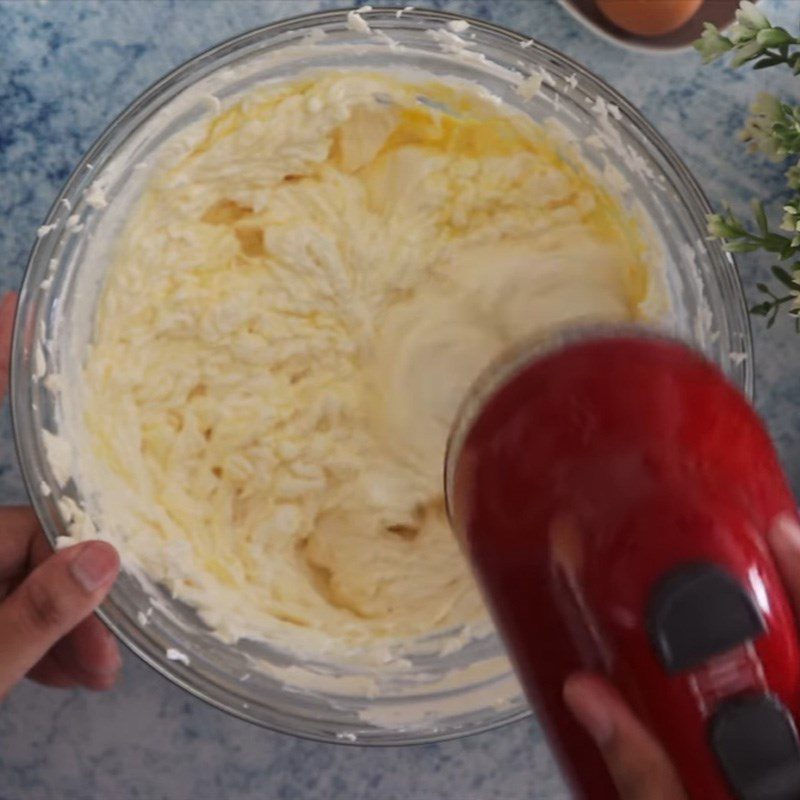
{"x":791,"y":220}
{"x":765,"y":112}
{"x":793,"y":177}
{"x":768,"y":106}
{"x":746,"y":52}
{"x":748,"y":16}
{"x":749,"y":21}
{"x":712,"y":44}
{"x":739,"y":34}
{"x":724,"y":226}
{"x":717,"y":227}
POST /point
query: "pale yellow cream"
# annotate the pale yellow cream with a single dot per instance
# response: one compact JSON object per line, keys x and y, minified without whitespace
{"x":293,"y":315}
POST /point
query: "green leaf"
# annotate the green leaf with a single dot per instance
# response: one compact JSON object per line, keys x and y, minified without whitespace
{"x":763,"y":308}
{"x":785,"y":278}
{"x":774,"y":37}
{"x":761,"y":217}
{"x":741,"y":246}
{"x":770,"y":61}
{"x":762,"y":287}
{"x":775,"y":243}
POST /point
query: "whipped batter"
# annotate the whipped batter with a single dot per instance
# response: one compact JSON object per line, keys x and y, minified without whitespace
{"x":295,"y":310}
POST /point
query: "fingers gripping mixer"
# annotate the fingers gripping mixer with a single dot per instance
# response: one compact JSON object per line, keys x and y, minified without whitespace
{"x":614,"y":494}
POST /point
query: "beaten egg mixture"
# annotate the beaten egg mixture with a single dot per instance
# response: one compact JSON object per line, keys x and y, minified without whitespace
{"x":295,"y":310}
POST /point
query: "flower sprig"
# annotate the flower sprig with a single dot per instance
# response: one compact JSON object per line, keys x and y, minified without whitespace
{"x":772,"y":129}
{"x":750,"y":37}
{"x":737,"y":238}
{"x":770,"y":307}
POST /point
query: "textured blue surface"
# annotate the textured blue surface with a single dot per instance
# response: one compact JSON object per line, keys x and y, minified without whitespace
{"x":66,"y":69}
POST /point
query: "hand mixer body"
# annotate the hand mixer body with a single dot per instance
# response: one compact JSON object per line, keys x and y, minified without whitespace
{"x":613,"y":496}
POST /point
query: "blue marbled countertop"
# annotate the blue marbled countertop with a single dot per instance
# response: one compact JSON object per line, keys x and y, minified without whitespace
{"x":66,"y":69}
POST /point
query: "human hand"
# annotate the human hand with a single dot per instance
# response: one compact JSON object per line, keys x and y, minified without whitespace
{"x":638,"y":764}
{"x":47,"y":630}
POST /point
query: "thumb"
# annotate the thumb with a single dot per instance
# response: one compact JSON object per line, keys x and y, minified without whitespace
{"x":637,"y":762}
{"x":63,"y":590}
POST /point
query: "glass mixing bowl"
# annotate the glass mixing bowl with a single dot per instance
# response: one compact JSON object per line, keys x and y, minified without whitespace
{"x":439,"y":692}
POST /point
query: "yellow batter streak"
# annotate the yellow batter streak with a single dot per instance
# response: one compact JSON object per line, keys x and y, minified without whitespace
{"x":295,"y":310}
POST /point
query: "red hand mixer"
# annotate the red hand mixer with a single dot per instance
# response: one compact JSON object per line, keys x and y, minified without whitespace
{"x":613,"y":493}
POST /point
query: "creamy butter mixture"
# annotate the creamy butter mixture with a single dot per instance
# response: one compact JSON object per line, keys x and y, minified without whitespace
{"x":295,"y":310}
